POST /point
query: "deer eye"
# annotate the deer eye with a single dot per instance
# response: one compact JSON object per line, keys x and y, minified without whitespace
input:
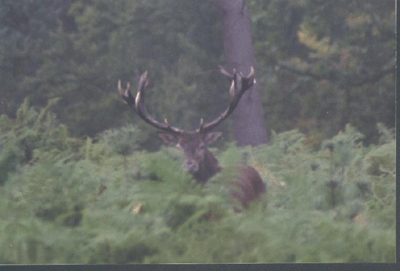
{"x":202,"y":146}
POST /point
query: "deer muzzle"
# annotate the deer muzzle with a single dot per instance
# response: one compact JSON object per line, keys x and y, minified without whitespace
{"x":191,"y":165}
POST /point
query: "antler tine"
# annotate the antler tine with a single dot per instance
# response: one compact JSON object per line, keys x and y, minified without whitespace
{"x":137,"y":104}
{"x":238,"y":87}
{"x":226,"y":73}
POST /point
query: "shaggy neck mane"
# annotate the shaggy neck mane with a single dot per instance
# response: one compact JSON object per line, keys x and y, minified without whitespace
{"x":207,"y":168}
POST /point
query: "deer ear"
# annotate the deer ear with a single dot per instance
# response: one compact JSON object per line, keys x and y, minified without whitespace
{"x":212,"y":137}
{"x":169,"y":139}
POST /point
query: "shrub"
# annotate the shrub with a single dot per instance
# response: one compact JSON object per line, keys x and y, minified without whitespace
{"x":78,"y":202}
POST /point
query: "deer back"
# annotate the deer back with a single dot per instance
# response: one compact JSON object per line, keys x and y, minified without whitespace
{"x":249,"y":183}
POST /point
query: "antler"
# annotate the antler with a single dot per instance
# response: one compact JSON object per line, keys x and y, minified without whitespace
{"x":238,"y":87}
{"x":139,"y":107}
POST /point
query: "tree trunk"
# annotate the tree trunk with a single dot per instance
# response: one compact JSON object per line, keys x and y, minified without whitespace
{"x":248,"y":117}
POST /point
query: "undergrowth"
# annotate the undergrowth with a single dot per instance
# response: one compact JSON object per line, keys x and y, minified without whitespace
{"x":68,"y":200}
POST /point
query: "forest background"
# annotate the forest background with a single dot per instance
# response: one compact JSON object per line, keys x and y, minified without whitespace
{"x":325,"y":71}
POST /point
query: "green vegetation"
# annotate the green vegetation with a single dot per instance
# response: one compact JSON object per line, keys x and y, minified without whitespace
{"x":69,"y":200}
{"x":321,"y":64}
{"x":85,"y":187}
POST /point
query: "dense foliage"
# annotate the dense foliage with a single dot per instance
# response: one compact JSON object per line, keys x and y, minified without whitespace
{"x":68,"y":200}
{"x":321,"y":64}
{"x":85,"y":187}
{"x":329,"y":63}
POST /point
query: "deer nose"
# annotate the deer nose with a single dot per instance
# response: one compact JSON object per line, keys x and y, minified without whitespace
{"x":191,"y":165}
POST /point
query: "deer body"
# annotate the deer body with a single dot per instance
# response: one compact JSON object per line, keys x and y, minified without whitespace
{"x":198,"y":159}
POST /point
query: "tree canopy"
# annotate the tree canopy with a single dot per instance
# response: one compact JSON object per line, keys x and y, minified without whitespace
{"x":321,"y":64}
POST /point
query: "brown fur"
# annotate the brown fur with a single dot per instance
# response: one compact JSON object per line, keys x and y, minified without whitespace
{"x":250,"y":184}
{"x":202,"y":164}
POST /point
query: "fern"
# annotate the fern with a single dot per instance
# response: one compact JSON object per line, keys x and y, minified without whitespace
{"x":78,"y":202}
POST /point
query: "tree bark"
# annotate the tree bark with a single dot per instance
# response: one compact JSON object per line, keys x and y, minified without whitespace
{"x":248,"y":117}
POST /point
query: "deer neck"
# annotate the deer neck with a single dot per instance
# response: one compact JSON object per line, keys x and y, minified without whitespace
{"x":208,"y":168}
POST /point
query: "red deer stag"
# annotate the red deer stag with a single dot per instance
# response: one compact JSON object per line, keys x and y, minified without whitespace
{"x":198,"y":160}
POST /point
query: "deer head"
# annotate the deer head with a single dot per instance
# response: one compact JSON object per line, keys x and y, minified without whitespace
{"x":198,"y":160}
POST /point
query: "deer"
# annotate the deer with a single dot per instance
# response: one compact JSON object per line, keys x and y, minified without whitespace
{"x":198,"y":160}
